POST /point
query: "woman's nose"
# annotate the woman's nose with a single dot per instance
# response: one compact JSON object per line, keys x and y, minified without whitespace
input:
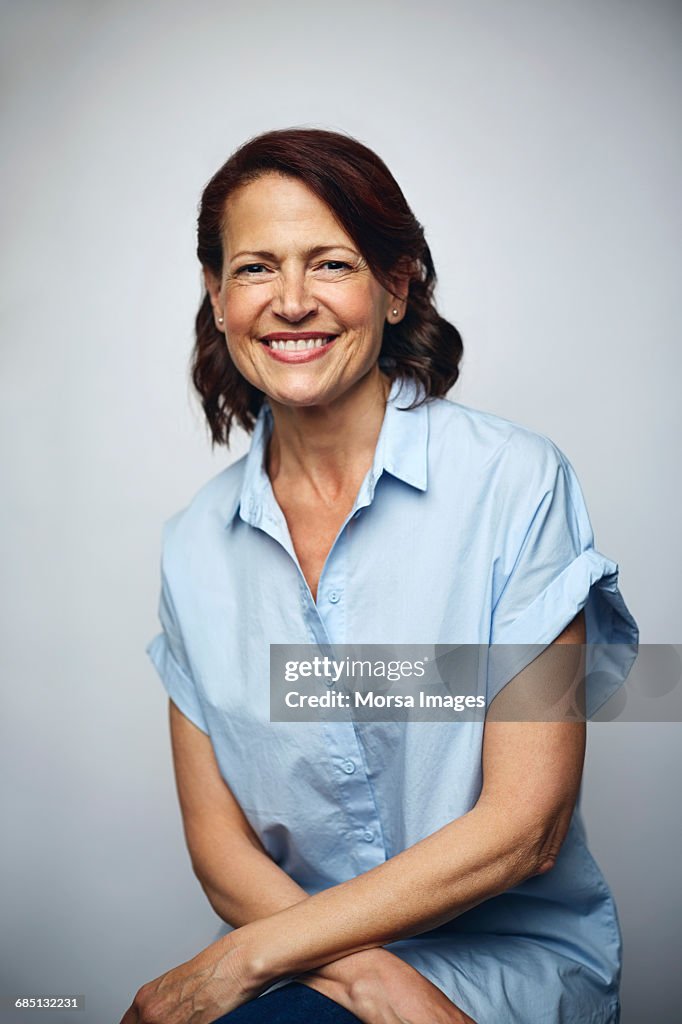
{"x":293,"y":299}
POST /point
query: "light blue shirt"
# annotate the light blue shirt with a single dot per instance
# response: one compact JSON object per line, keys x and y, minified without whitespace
{"x":467,"y":529}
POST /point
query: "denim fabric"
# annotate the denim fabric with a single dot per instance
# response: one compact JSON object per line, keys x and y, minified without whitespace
{"x":292,"y":1004}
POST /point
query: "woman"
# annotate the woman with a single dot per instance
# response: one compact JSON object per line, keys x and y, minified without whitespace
{"x":382,"y":872}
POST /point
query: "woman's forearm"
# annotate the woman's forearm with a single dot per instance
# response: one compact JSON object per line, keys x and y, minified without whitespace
{"x":244,"y":885}
{"x":466,"y":862}
{"x":241,"y":881}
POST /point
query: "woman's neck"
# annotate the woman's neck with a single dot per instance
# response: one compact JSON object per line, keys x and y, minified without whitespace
{"x":324,"y":451}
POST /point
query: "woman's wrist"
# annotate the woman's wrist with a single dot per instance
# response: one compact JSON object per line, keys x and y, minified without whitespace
{"x":255,"y":945}
{"x":347,"y":981}
{"x":265,"y":956}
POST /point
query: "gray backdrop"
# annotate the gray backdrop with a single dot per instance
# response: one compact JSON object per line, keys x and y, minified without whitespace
{"x":539,"y":144}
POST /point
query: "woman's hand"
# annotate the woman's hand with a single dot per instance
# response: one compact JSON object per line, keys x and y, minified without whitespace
{"x":380,"y":988}
{"x":375,"y":985}
{"x":199,"y":991}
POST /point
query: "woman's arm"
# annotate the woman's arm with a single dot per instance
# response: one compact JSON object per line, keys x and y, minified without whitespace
{"x":240,"y":880}
{"x":243,"y":884}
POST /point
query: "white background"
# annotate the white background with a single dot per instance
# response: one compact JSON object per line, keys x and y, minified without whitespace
{"x":539,"y":144}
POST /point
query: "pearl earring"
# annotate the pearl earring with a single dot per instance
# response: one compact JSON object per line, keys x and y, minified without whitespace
{"x":395,"y":312}
{"x":220,"y":319}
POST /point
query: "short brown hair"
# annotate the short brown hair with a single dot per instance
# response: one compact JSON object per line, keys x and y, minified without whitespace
{"x":368,"y":202}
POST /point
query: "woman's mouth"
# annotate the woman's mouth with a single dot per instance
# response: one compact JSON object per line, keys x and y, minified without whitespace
{"x":298,"y":348}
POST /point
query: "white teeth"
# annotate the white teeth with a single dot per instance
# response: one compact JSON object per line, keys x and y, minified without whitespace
{"x":300,"y":344}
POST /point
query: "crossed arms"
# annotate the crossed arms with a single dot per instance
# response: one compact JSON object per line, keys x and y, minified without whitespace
{"x":333,"y":940}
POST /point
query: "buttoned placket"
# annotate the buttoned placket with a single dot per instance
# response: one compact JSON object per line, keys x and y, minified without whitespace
{"x":326,"y":624}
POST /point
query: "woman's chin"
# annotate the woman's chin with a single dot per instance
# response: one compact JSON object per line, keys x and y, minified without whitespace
{"x":298,"y":388}
{"x":301,"y":393}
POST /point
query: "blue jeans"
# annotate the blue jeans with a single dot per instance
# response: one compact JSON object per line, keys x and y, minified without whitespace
{"x":292,"y":1004}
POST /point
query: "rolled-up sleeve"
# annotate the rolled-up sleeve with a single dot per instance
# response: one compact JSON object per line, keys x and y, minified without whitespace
{"x":555,"y":573}
{"x":167,"y":653}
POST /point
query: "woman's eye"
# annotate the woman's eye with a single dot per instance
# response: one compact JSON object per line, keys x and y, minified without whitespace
{"x":336,"y":265}
{"x":258,"y":269}
{"x":252,"y":268}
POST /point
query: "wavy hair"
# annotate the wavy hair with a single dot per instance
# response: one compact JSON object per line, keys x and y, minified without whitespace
{"x":368,"y":202}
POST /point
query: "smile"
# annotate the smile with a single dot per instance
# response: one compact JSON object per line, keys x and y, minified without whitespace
{"x":301,"y":345}
{"x":298,"y":350}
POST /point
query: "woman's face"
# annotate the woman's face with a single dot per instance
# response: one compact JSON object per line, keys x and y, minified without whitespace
{"x":292,"y":280}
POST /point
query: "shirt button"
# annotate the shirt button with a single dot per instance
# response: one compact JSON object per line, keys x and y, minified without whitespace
{"x":368,"y":836}
{"x":334,"y":596}
{"x":348,"y":767}
{"x":328,"y":681}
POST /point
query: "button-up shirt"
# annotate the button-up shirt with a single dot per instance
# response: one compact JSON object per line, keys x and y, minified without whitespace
{"x":467,"y":529}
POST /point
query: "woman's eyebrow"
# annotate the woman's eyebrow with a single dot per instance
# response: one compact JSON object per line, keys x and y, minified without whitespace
{"x":316,"y":250}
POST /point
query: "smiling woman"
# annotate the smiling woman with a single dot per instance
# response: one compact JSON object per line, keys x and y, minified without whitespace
{"x":299,"y":282}
{"x":384,"y":872}
{"x":310,"y":220}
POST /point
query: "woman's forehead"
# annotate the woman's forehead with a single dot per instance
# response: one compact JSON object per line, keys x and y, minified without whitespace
{"x":275,"y":208}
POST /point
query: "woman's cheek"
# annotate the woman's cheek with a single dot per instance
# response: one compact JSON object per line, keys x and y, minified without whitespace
{"x":355,"y":303}
{"x":241,"y":314}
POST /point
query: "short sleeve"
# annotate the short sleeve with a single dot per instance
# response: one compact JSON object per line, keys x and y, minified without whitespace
{"x":167,"y":653}
{"x":556,"y":572}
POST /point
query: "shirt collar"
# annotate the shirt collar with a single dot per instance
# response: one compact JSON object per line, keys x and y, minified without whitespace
{"x":401,"y":450}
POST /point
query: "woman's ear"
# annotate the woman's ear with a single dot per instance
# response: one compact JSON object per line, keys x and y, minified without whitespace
{"x":213,"y":288}
{"x":400,"y":279}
